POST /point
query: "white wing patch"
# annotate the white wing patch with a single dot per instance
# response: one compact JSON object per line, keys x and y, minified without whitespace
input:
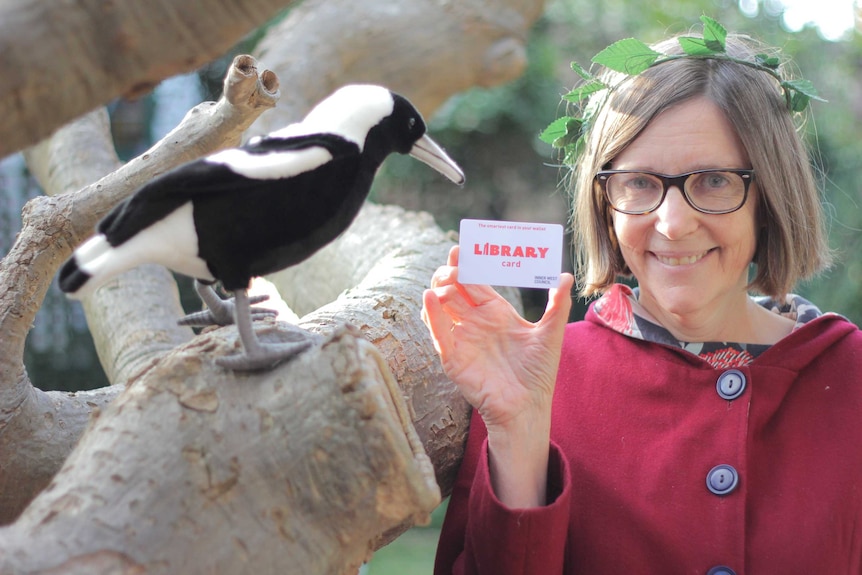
{"x":350,"y":112}
{"x":91,"y":250}
{"x":171,"y":242}
{"x":273,"y":165}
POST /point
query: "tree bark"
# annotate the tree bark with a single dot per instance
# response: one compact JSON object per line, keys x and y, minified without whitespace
{"x":63,"y":59}
{"x":292,"y":470}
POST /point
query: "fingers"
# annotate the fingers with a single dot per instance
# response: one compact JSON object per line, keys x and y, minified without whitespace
{"x":454,"y":252}
{"x":439,"y":323}
{"x":469,"y":295}
{"x":559,"y":301}
{"x":448,"y":274}
{"x":553,"y":321}
{"x":453,"y":301}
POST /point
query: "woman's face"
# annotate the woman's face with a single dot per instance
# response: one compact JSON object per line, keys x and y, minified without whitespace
{"x":687,"y":263}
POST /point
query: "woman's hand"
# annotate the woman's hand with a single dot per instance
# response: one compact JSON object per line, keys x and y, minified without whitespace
{"x":506,"y":368}
{"x":503,"y":364}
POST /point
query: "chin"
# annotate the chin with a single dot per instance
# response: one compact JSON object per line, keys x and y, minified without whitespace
{"x":678,"y":301}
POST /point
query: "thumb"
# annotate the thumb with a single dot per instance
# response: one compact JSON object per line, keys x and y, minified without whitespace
{"x":559,"y":303}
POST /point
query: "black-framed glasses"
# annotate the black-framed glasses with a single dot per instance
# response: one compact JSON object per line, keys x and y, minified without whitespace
{"x":719,"y":191}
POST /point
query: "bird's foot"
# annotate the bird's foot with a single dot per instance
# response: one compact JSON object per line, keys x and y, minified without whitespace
{"x":256,"y":354}
{"x":263,"y":356}
{"x":222,"y":313}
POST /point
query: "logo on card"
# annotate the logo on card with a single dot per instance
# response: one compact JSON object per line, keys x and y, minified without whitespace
{"x":508,"y":251}
{"x":519,"y":254}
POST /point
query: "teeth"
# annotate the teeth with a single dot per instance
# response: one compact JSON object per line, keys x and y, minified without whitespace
{"x":681,"y":261}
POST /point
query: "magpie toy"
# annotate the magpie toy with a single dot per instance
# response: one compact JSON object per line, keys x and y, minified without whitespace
{"x":257,"y":209}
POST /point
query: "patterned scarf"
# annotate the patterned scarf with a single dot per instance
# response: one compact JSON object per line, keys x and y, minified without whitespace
{"x":618,"y":309}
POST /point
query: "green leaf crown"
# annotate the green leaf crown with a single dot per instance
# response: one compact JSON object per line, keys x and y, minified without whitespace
{"x":631,"y":57}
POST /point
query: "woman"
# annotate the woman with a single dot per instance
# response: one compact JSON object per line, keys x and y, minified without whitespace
{"x":684,"y":426}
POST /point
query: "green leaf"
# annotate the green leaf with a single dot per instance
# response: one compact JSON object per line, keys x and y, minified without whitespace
{"x":556,"y":130}
{"x":798,"y":102}
{"x":629,"y":56}
{"x":714,"y":34}
{"x":696,"y":47}
{"x":767,"y":61}
{"x":584,"y":91}
{"x":565,"y":132}
{"x":581,"y":71}
{"x":574,"y":133}
{"x":575,"y":149}
{"x":802,"y":86}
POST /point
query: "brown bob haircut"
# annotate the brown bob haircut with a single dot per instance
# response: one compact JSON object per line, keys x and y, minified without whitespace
{"x":792,"y":243}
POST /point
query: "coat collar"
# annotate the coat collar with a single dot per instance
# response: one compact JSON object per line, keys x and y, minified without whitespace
{"x":619,"y":310}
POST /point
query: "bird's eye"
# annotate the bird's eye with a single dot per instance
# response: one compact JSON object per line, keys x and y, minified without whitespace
{"x":411,"y":123}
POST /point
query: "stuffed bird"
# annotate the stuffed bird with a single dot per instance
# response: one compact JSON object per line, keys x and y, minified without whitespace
{"x":257,"y":209}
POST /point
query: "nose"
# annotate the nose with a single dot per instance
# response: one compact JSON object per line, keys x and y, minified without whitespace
{"x":674,"y":217}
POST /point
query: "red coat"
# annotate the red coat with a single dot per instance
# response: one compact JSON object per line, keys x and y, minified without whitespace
{"x":638,"y":427}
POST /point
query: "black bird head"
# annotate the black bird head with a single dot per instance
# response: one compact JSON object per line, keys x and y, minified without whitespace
{"x":380,"y":122}
{"x":403,"y":127}
{"x":408,"y":130}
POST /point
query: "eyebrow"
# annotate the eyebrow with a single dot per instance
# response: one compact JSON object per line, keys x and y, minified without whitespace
{"x":691,"y":168}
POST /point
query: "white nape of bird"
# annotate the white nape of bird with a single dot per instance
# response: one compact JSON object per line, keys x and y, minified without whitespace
{"x":257,"y":209}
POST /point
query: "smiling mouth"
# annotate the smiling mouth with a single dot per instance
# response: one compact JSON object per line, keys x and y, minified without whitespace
{"x":682,"y":260}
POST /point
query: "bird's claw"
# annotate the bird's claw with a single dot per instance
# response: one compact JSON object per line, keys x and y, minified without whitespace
{"x":223,"y":314}
{"x":266,"y":356}
{"x":255,"y":299}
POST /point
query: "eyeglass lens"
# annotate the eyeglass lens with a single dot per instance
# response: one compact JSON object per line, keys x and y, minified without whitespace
{"x":711,"y":191}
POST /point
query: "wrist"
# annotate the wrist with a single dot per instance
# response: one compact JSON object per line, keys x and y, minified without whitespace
{"x":518,"y":461}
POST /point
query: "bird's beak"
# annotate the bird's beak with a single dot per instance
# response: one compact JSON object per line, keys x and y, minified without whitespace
{"x":426,"y":150}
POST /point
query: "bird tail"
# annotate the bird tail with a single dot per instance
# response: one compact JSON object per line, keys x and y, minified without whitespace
{"x":80,"y":275}
{"x":73,"y":278}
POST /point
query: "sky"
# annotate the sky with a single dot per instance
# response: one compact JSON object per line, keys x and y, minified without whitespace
{"x":834,"y":19}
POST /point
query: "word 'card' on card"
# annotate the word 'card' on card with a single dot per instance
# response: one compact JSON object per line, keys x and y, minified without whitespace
{"x":518,"y":254}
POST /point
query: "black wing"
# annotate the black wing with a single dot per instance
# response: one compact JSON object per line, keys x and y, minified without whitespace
{"x":168,"y":192}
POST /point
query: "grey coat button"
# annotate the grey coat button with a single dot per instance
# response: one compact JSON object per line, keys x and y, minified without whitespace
{"x":721,"y":570}
{"x":722,"y":480}
{"x":730,"y":384}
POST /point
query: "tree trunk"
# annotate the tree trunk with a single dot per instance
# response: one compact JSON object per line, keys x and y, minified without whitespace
{"x":63,"y":59}
{"x":292,"y":470}
{"x":425,"y":50}
{"x":306,"y":468}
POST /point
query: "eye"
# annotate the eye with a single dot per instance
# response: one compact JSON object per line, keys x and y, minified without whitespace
{"x":717,"y":181}
{"x":411,"y":123}
{"x":639,"y":183}
{"x":711,"y":181}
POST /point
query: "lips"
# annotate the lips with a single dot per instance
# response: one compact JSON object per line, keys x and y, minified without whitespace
{"x":680,"y":260}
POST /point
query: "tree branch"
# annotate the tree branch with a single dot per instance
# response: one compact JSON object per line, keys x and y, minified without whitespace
{"x":308,"y":461}
{"x":427,"y":51}
{"x":63,"y":59}
{"x":208,"y":127}
{"x":54,"y":225}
